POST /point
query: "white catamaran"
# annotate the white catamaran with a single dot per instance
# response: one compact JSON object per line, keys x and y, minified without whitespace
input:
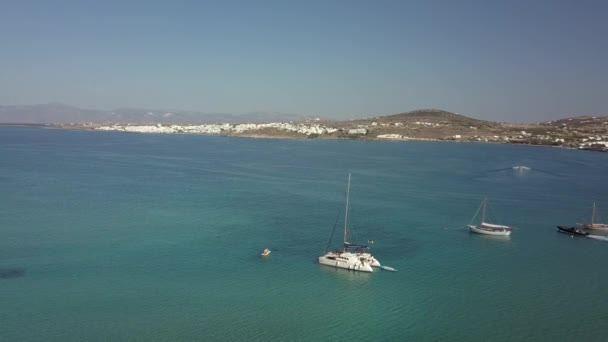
{"x":593,"y":225}
{"x":351,"y":256}
{"x":488,"y":228}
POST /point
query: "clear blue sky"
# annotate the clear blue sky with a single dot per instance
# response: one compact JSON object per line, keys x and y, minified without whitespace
{"x":499,"y":60}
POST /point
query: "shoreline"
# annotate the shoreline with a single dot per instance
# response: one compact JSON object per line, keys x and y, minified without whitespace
{"x":301,"y":137}
{"x":336,"y":134}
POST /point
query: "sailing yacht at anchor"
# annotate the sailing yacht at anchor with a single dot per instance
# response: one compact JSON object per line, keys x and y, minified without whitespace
{"x":351,"y":256}
{"x":593,"y":225}
{"x":489,"y":228}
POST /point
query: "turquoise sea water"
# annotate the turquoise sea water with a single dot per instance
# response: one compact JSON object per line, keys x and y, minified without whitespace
{"x":121,"y":237}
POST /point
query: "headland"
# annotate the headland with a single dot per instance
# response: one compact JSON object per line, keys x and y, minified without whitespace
{"x":584,"y":132}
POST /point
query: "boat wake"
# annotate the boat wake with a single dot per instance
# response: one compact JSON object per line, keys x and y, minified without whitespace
{"x":388,"y":268}
{"x":598,"y":237}
{"x":521,"y":170}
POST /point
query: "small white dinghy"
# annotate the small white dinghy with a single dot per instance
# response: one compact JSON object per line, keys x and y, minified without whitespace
{"x":388,"y":268}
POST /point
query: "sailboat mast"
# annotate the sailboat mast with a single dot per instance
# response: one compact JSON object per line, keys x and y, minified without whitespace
{"x":346,"y":209}
{"x":483,"y":213}
{"x":593,"y":215}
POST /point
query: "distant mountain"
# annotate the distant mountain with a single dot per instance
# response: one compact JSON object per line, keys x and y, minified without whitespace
{"x":434,"y":116}
{"x":57,"y":113}
{"x":580,"y":121}
{"x":46,"y":113}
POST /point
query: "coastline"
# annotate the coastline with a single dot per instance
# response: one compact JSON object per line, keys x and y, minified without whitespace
{"x":512,"y":134}
{"x":278,"y":136}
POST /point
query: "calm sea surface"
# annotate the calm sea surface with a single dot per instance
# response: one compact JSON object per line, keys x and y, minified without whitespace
{"x":123,"y":237}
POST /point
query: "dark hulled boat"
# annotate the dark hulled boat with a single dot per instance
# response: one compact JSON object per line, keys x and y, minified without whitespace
{"x":571,"y":231}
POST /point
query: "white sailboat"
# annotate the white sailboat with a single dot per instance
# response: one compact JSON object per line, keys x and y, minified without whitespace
{"x":593,"y":225}
{"x":351,"y":256}
{"x":488,"y":228}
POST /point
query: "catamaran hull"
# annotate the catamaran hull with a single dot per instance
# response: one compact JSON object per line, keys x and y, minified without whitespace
{"x":477,"y":230}
{"x":373,"y":262}
{"x":353,"y":266}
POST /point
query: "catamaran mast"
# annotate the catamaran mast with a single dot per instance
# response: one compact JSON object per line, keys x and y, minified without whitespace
{"x":346,"y":209}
